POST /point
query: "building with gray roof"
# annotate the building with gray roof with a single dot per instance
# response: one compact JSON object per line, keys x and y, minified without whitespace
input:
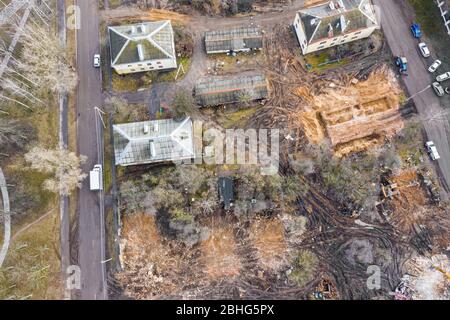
{"x":153,"y":141}
{"x":334,"y":23}
{"x":141,"y":47}
{"x":215,"y":91}
{"x":234,"y":40}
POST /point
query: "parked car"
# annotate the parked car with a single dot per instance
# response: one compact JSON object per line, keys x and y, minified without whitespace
{"x":424,"y":50}
{"x":438,"y":89}
{"x":443,"y":77}
{"x":434,"y":66}
{"x":432,"y":150}
{"x":96,"y":61}
{"x":416,"y":31}
{"x":402,"y":64}
{"x":447,"y":90}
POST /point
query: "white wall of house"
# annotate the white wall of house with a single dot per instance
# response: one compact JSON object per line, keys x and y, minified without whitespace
{"x":329,"y":42}
{"x":143,"y":66}
{"x":298,"y":27}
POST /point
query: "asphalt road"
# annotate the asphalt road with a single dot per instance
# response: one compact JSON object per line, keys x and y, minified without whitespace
{"x":396,"y":25}
{"x":90,"y":220}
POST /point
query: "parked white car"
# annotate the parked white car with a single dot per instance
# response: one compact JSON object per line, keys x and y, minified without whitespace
{"x":438,"y":89}
{"x":424,"y":50}
{"x":443,"y":77}
{"x":434,"y":66}
{"x":432,"y":150}
{"x":96,"y":61}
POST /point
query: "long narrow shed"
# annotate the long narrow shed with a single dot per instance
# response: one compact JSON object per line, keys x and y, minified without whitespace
{"x":234,"y":40}
{"x":216,"y":91}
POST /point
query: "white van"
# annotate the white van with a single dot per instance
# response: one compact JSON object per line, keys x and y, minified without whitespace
{"x":96,"y":178}
{"x":432,"y":150}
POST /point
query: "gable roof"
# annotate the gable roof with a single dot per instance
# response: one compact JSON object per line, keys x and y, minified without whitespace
{"x":141,"y":42}
{"x":153,"y":141}
{"x":323,"y":22}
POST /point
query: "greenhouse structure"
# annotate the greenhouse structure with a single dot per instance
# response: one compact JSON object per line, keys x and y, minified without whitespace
{"x":234,"y":40}
{"x":218,"y":91}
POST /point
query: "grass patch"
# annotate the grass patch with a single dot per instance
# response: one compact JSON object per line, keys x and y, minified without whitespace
{"x":235,"y":119}
{"x":143,"y":80}
{"x":125,"y":83}
{"x":32,"y":267}
{"x":232,"y":119}
{"x":170,"y":76}
{"x":304,"y":268}
{"x":322,"y":61}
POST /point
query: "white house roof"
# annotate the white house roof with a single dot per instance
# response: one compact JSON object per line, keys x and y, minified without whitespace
{"x":337,"y":17}
{"x":141,"y":42}
{"x":153,"y":141}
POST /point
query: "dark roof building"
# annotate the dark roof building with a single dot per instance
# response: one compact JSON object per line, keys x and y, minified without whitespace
{"x":216,"y":91}
{"x":226,"y":192}
{"x":234,"y":40}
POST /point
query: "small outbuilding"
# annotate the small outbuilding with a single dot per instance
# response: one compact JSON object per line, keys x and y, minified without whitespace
{"x":226,"y":192}
{"x":215,"y":91}
{"x":234,"y":40}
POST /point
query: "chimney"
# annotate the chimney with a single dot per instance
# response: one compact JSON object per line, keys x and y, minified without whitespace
{"x":152,"y":149}
{"x":140,"y":50}
{"x":330,"y":31}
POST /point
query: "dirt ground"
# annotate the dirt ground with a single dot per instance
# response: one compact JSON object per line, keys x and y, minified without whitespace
{"x":268,"y":237}
{"x":410,"y":205}
{"x":132,"y":14}
{"x":309,"y":3}
{"x":156,"y":267}
{"x":219,"y":254}
{"x":355,"y":116}
{"x":151,"y":266}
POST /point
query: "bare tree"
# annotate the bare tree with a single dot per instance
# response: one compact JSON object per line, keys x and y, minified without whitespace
{"x":132,"y":195}
{"x":117,"y":105}
{"x":184,"y":105}
{"x":43,"y":61}
{"x":63,"y":166}
{"x":14,"y":134}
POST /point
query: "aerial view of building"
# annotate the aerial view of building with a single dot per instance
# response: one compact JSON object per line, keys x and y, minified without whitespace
{"x":234,"y":40}
{"x":333,"y":23}
{"x":142,"y":47}
{"x":215,"y":158}
{"x":217,"y":91}
{"x":153,"y":142}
